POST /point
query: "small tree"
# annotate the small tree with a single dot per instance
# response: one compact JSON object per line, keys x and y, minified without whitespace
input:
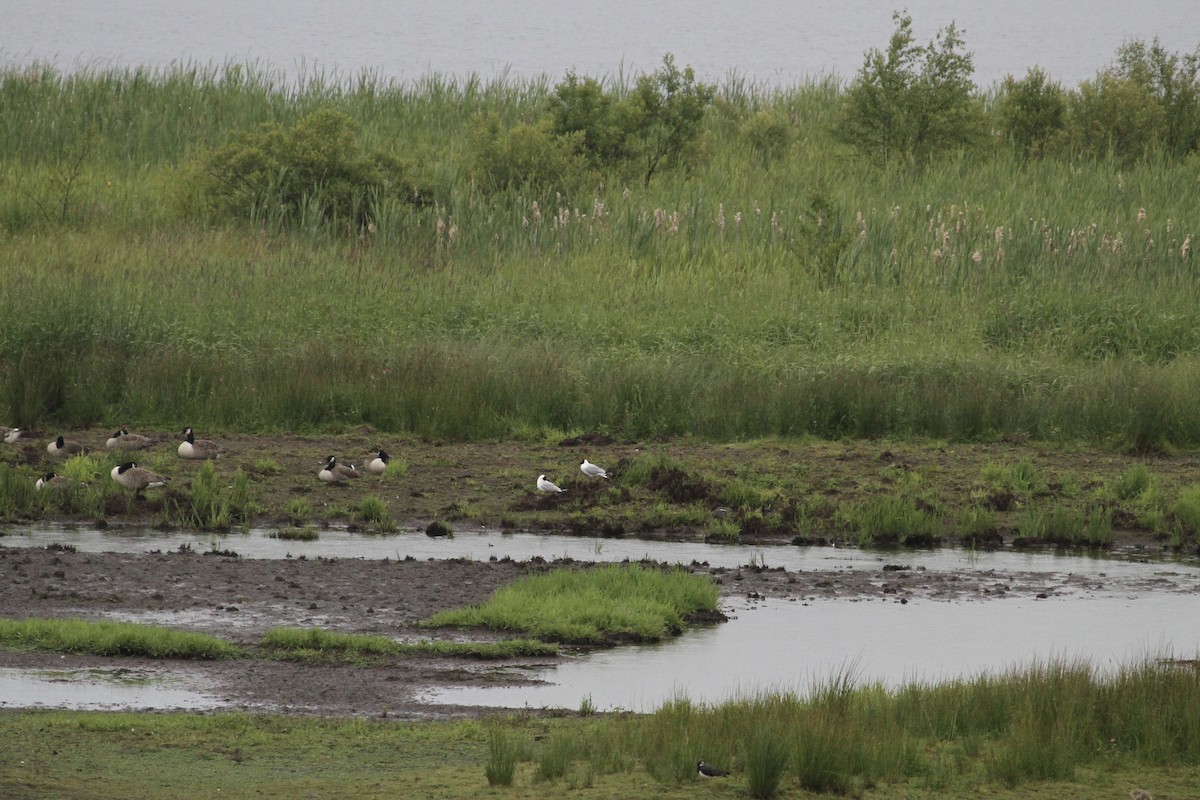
{"x":1033,"y":112}
{"x":666,"y":112}
{"x":1174,"y":83}
{"x":913,"y":100}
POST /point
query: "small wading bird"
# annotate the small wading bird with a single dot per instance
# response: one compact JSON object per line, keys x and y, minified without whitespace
{"x":334,"y":472}
{"x":124,"y":440}
{"x":63,"y":447}
{"x":709,"y":771}
{"x":191,"y":447}
{"x":592,"y":471}
{"x":131,"y":476}
{"x":546,"y":486}
{"x":379,"y":463}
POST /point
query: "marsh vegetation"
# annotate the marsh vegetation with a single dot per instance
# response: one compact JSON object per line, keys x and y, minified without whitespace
{"x":470,"y":259}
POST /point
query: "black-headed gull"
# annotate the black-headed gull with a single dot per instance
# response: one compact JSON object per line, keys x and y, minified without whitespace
{"x":592,"y":471}
{"x":546,"y":486}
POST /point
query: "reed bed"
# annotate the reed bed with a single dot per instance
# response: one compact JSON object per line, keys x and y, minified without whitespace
{"x":813,"y":293}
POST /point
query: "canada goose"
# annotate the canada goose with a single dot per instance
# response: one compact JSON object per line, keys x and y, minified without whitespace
{"x":379,"y":463}
{"x":709,"y":771}
{"x":592,"y":471}
{"x":334,"y":472}
{"x":544,"y":485}
{"x":191,"y":447}
{"x":131,"y":476}
{"x":63,"y":447}
{"x":52,"y":480}
{"x":124,"y":440}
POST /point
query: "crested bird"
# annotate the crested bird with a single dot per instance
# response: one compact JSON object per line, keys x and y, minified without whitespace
{"x":64,"y":447}
{"x":131,"y":476}
{"x":191,"y":447}
{"x":592,"y":471}
{"x":544,"y":485}
{"x":379,"y":463}
{"x":333,"y":472}
{"x":124,"y":440}
{"x":709,"y":771}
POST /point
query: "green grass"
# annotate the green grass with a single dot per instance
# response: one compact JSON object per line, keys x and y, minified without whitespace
{"x":105,"y":638}
{"x":306,"y":644}
{"x":982,"y":295}
{"x":1049,"y":730}
{"x":592,"y":605}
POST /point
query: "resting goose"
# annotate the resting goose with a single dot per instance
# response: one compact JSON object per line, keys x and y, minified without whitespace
{"x":378,"y":464}
{"x":131,"y":476}
{"x":64,"y":447}
{"x":334,"y":472}
{"x":191,"y":447}
{"x":124,"y":440}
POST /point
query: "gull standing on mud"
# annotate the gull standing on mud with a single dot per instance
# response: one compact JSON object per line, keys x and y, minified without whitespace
{"x":592,"y":471}
{"x":14,"y":435}
{"x":546,"y":486}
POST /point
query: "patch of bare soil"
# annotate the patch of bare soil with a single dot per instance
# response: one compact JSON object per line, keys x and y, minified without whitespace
{"x":238,"y":599}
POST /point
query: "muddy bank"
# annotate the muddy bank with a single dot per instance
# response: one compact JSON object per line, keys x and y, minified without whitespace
{"x":239,"y":599}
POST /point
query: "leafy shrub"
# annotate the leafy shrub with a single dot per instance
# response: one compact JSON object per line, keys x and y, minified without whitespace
{"x":281,"y":173}
{"x":527,"y":155}
{"x":1033,"y":112}
{"x":1115,"y":116}
{"x":581,"y":109}
{"x":769,"y":134}
{"x":914,"y":100}
{"x":1174,"y":83}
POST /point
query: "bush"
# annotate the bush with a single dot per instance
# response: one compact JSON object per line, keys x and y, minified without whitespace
{"x":531,"y":156}
{"x":1115,"y":116}
{"x":769,"y":134}
{"x":581,"y":109}
{"x":1033,"y":112}
{"x":1174,"y":83}
{"x":284,"y":173}
{"x":912,"y":101}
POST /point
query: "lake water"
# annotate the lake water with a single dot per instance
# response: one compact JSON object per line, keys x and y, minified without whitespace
{"x":776,"y":42}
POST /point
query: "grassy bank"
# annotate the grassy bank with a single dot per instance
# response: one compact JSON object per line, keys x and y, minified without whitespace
{"x":1052,"y":730}
{"x":605,"y":603}
{"x":811,"y":293}
{"x":867,"y":493}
